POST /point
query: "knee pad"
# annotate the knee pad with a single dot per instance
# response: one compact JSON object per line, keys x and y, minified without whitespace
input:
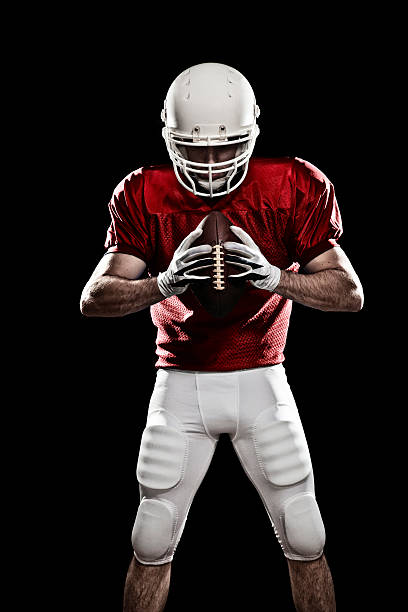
{"x":163,"y":451}
{"x":153,"y":531}
{"x":303,"y":528}
{"x":160,"y":467}
{"x":281,"y":448}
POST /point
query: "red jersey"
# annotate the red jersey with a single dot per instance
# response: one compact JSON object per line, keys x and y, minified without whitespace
{"x":285,"y":204}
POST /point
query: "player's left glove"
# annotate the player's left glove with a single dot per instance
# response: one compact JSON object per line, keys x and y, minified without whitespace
{"x":257,"y":268}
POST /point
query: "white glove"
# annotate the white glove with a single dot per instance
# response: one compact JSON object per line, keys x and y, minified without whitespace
{"x":248,"y":256}
{"x":178,"y":276}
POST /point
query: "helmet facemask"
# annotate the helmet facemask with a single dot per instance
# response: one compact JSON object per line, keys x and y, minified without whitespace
{"x":210,"y":178}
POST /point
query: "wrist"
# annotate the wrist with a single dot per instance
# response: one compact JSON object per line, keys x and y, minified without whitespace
{"x":164,"y":285}
{"x":275,"y":277}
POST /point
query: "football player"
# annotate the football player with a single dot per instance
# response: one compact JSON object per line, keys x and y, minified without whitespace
{"x":222,"y":375}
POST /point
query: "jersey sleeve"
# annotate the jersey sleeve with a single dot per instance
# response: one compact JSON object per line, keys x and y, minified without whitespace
{"x":129,"y":229}
{"x":317,"y":221}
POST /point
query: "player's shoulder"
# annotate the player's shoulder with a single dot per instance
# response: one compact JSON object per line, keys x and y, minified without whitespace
{"x":133,"y":179}
{"x":294,"y":166}
{"x":136,"y":179}
{"x":306,"y":171}
{"x":156,"y":170}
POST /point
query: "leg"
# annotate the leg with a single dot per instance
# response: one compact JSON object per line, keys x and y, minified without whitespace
{"x":174,"y":456}
{"x":272,"y":448}
{"x":147,"y":587}
{"x":312,"y":585}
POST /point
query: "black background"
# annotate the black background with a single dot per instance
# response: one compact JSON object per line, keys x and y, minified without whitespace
{"x":318,"y":90}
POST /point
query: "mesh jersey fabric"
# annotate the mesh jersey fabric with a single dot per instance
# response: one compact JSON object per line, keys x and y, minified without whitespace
{"x":289,"y":208}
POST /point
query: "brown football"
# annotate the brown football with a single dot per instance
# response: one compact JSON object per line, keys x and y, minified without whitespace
{"x":218,"y":296}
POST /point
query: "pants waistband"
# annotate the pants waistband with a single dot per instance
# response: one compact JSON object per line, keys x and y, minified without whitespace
{"x":203,"y":373}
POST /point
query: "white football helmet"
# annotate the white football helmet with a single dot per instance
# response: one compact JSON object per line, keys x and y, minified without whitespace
{"x":210,"y":105}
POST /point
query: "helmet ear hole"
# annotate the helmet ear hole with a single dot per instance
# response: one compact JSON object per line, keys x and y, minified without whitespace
{"x":214,"y":107}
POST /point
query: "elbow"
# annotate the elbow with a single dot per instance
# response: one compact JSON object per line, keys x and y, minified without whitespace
{"x":355,"y":295}
{"x":96,"y":301}
{"x":87,"y":307}
{"x":88,"y":304}
{"x":356,"y":300}
{"x":358,"y":297}
{"x":351,"y":300}
{"x":85,"y":310}
{"x":360,"y":302}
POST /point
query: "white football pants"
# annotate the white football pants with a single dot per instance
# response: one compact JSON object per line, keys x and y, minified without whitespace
{"x":188,"y":411}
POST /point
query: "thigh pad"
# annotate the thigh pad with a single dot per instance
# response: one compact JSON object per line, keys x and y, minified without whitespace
{"x":163,"y":452}
{"x":281,"y":449}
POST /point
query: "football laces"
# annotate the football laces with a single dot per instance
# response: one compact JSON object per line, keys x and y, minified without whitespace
{"x":218,"y":267}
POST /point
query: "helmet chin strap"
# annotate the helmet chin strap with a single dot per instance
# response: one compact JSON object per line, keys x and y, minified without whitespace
{"x":216,"y":183}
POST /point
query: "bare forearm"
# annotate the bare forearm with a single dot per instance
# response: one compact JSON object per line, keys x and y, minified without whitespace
{"x":329,"y":289}
{"x":112,"y":296}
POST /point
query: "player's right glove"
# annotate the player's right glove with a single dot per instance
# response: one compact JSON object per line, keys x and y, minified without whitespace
{"x":180,"y":272}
